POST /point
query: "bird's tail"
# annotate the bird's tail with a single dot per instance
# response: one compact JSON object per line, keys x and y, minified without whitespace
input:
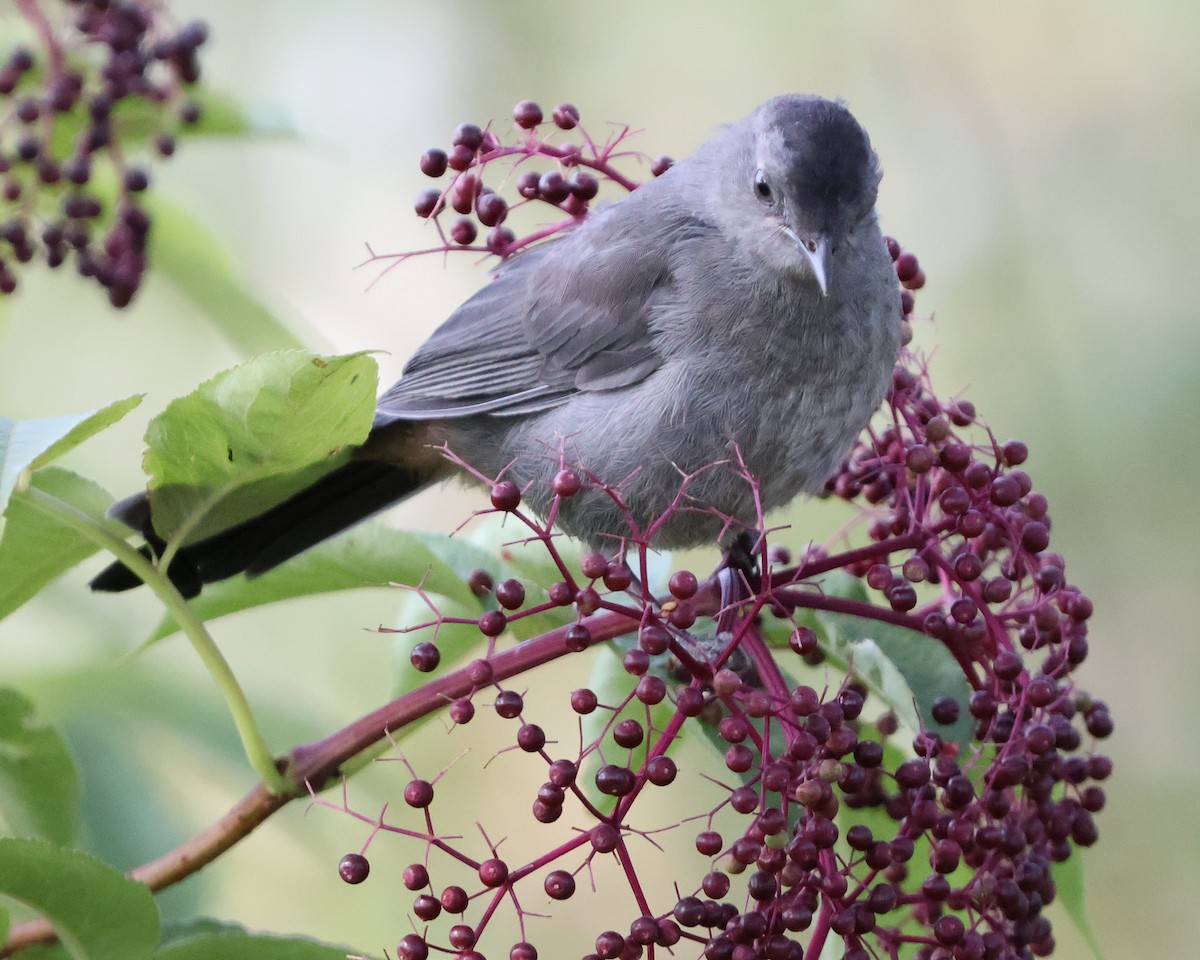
{"x":338,"y":500}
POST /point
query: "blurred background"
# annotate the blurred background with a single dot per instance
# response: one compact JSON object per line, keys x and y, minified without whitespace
{"x":1039,"y":158}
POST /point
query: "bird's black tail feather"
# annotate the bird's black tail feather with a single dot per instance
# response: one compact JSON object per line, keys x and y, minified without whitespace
{"x":338,"y":500}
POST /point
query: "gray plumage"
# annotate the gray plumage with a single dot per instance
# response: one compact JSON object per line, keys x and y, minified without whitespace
{"x":745,"y":298}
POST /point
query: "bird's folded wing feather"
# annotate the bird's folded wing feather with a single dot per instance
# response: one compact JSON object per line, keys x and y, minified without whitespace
{"x":574,"y":315}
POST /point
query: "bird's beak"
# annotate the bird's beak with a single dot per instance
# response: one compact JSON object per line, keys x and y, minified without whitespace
{"x":815,"y":248}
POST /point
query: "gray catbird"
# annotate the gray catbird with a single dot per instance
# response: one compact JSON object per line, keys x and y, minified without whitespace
{"x":742,"y":303}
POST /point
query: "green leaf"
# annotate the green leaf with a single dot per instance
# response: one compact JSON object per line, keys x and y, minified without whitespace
{"x":98,"y":912}
{"x":30,"y":444}
{"x":39,"y":786}
{"x":138,"y":119}
{"x":239,"y":945}
{"x":907,"y":669}
{"x":371,"y":554}
{"x":253,"y":435}
{"x":184,"y":251}
{"x":34,"y":549}
{"x":1068,"y":879}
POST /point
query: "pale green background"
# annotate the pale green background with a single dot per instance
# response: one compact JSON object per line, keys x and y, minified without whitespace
{"x":1040,"y":158}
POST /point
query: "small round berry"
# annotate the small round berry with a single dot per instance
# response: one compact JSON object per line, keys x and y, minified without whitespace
{"x":531,"y":738}
{"x":566,"y":116}
{"x":412,"y":946}
{"x":683,"y":585}
{"x":584,"y":701}
{"x":1035,"y":537}
{"x":506,"y":495}
{"x":906,"y":267}
{"x":661,"y":771}
{"x":460,"y":157}
{"x":527,"y":114}
{"x":587,"y":601}
{"x":919,"y":458}
{"x":353,"y":868}
{"x":468,"y":135}
{"x":500,"y":241}
{"x":559,"y":885}
{"x":493,"y":872}
{"x":682,"y":615}
{"x":618,"y":576}
{"x":429,"y":203}
{"x":803,"y":641}
{"x":653,"y":639}
{"x":461,"y":937}
{"x":492,"y":623}
{"x":562,"y":773}
{"x":567,"y":483}
{"x":528,"y":185}
{"x":491,"y":208}
{"x":553,"y":187}
{"x":604,"y":838}
{"x":1014,"y":453}
{"x":416,"y":877}
{"x":418,"y":793}
{"x":628,"y":733}
{"x":510,"y":594}
{"x":583,"y":186}
{"x":462,"y":711}
{"x":480,"y":672}
{"x":136,"y":180}
{"x":434,"y":162}
{"x":945,"y":710}
{"x":523,"y":950}
{"x":651,"y":690}
{"x":464,"y":232}
{"x":561,"y":593}
{"x":427,"y":907}
{"x":593,"y":565}
{"x":454,"y":899}
{"x":577,"y":638}
{"x":614,"y":780}
{"x":425,"y":656}
{"x":509,"y":704}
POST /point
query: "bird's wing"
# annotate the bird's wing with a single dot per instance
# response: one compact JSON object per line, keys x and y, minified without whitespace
{"x":574,"y":315}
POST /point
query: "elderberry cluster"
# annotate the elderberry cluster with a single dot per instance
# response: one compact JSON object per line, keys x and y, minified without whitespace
{"x":568,"y":176}
{"x":935,"y":840}
{"x":100,"y":80}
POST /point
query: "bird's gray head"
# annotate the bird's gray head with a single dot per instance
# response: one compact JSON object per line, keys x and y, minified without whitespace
{"x":810,"y":178}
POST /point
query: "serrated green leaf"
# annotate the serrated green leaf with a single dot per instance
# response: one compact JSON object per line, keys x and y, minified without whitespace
{"x":97,"y":912}
{"x":34,"y":549}
{"x":31,"y":444}
{"x":1068,"y":880}
{"x":184,"y":251}
{"x":239,"y":945}
{"x":371,"y":554}
{"x":39,"y":785}
{"x":251,"y":436}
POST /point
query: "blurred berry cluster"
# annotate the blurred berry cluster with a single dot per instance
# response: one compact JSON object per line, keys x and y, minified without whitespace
{"x":100,"y":83}
{"x":937,"y":842}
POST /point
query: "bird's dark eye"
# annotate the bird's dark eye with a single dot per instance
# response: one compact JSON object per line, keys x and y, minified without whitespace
{"x":762,"y":189}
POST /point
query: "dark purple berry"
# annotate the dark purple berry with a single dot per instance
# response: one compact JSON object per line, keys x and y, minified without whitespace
{"x":566,"y":116}
{"x":434,"y":162}
{"x":354,"y":868}
{"x":527,"y":114}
